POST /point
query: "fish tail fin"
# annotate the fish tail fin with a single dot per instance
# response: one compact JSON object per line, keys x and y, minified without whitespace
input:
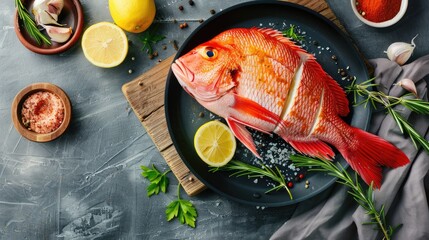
{"x":369,"y":153}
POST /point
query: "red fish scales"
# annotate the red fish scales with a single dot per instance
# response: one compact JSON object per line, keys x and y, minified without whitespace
{"x":268,"y":88}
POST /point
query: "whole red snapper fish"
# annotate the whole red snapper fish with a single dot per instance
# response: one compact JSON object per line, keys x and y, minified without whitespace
{"x":260,"y":79}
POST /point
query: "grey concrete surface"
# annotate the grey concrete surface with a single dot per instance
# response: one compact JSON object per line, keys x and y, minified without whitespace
{"x":87,"y":184}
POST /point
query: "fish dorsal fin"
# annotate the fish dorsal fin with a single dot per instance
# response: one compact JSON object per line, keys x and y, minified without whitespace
{"x":341,"y":100}
{"x":338,"y":93}
{"x":279,"y":37}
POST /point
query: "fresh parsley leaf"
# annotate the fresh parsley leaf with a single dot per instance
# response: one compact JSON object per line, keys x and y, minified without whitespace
{"x":148,"y":38}
{"x":182,"y":209}
{"x":172,"y":210}
{"x":158,"y":181}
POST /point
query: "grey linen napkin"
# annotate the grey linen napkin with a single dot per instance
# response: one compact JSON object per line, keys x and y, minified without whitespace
{"x":404,"y":192}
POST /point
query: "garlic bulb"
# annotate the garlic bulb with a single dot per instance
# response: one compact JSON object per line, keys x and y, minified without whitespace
{"x":400,"y":52}
{"x":408,"y":85}
{"x":46,"y":12}
{"x":58,"y":34}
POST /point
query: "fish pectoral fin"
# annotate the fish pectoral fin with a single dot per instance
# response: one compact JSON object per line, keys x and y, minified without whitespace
{"x":252,"y":108}
{"x":313,"y":148}
{"x":243,"y":135}
{"x":250,"y":125}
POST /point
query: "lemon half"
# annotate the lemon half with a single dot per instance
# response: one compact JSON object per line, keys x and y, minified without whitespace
{"x":215,"y":143}
{"x":105,"y":45}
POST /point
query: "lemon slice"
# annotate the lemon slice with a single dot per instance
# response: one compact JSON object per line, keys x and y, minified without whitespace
{"x":105,"y":45}
{"x":215,"y":143}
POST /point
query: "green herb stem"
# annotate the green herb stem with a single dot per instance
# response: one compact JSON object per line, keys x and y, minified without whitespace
{"x":244,"y":169}
{"x":30,"y":25}
{"x":388,"y":102}
{"x":182,"y":209}
{"x":365,"y":200}
{"x":293,"y":34}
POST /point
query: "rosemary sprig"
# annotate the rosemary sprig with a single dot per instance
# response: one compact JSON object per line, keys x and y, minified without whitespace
{"x":244,"y":169}
{"x":30,"y":25}
{"x":376,"y":97}
{"x":405,"y":126}
{"x":293,"y":34}
{"x":363,"y":197}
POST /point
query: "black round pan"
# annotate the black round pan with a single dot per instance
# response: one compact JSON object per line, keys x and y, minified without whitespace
{"x":183,"y":113}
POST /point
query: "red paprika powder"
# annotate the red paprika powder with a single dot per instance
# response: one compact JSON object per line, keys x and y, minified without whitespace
{"x":378,"y":10}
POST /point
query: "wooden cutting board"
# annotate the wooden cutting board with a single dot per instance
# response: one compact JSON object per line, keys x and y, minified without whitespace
{"x":145,"y":95}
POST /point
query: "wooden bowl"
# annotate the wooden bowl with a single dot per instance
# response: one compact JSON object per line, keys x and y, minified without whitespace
{"x":17,"y":106}
{"x":71,"y":15}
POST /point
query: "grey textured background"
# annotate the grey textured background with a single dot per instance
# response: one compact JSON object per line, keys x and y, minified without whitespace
{"x":87,"y":184}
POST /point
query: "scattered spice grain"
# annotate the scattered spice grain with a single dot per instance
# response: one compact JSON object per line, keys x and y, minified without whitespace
{"x":174,"y":43}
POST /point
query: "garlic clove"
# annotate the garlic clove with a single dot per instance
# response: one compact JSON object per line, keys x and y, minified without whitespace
{"x":408,"y":85}
{"x":400,"y":52}
{"x":55,"y":6}
{"x":58,"y":34}
{"x":46,"y":12}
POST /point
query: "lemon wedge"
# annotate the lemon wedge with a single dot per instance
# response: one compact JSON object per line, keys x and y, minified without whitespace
{"x":105,"y":45}
{"x":215,"y":143}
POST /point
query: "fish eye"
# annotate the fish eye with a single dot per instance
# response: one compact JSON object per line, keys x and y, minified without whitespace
{"x":209,"y":53}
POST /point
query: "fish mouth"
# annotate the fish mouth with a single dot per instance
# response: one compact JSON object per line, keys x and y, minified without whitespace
{"x":182,"y":73}
{"x":186,"y":79}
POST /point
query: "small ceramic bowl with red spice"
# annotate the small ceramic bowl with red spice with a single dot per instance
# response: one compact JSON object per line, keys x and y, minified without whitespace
{"x":41,"y":112}
{"x":379,"y":13}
